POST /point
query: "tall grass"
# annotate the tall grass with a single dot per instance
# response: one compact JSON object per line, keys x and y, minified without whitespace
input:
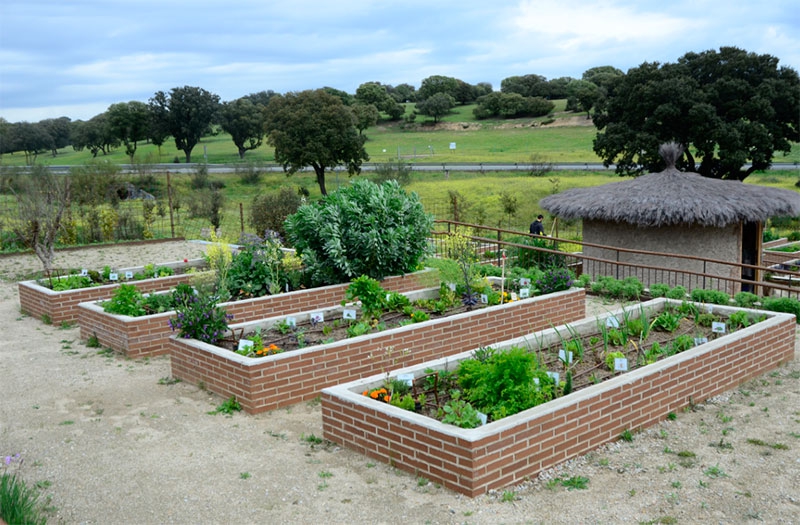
{"x":19,"y":503}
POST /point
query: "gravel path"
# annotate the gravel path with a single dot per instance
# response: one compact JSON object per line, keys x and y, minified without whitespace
{"x":108,"y":443}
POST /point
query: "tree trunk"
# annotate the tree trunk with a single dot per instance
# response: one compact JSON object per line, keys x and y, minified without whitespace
{"x":320,"y":171}
{"x":242,"y":151}
{"x":188,"y":154}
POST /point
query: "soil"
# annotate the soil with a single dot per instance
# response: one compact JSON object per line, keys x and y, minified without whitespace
{"x":112,"y":440}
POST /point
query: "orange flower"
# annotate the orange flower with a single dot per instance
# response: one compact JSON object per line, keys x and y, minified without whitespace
{"x":273,"y":347}
{"x":365,"y":392}
{"x":374,"y":395}
{"x":387,"y":398}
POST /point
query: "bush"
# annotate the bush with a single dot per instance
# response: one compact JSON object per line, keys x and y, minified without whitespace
{"x":532,"y":258}
{"x":399,"y":171}
{"x":199,"y":317}
{"x":250,"y":173}
{"x":199,"y":178}
{"x":554,"y":280}
{"x":745,"y":299}
{"x":710,"y":296}
{"x":270,"y":211}
{"x":787,"y":305}
{"x":678,"y":293}
{"x":659,"y":290}
{"x":363,"y":229}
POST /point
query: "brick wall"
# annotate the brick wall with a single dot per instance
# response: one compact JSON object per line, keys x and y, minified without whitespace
{"x":38,"y":301}
{"x":284,"y":379}
{"x":148,"y":335}
{"x":768,"y":257}
{"x":475,"y":461}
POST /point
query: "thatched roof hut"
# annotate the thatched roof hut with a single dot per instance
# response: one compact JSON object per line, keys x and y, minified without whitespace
{"x":675,"y":212}
{"x":672,"y":197}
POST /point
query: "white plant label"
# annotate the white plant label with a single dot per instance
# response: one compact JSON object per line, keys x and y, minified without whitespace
{"x":84,"y":272}
{"x":317,"y":317}
{"x":554,"y":376}
{"x":700,"y":341}
{"x":291,"y":321}
{"x":620,"y":364}
{"x":566,"y":357}
{"x":388,"y":296}
{"x":348,"y":313}
{"x":524,"y":293}
{"x":524,"y":282}
{"x":113,"y":277}
{"x":484,"y":299}
{"x":129,"y":275}
{"x":709,"y":309}
{"x":245,"y":343}
{"x":406,"y":378}
{"x":612,"y":322}
{"x":514,"y":296}
{"x":482,"y":417}
{"x":536,"y":381}
{"x":718,"y":327}
{"x":452,"y":286}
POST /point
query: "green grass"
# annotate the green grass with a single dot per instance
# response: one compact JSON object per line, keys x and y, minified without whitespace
{"x":19,"y":502}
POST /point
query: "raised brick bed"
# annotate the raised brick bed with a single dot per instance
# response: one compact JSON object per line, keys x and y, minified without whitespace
{"x":148,"y":335}
{"x":771,"y":257}
{"x":275,"y":381}
{"x":39,"y":301}
{"x":504,"y":452}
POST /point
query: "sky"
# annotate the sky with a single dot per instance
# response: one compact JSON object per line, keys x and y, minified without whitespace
{"x":75,"y":58}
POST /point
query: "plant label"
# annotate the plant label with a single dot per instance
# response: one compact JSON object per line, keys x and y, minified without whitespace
{"x":620,"y":364}
{"x":612,"y":322}
{"x":536,"y":381}
{"x":388,"y":297}
{"x":709,"y":309}
{"x":129,"y":275}
{"x":452,"y":286}
{"x":514,"y":296}
{"x":348,"y":313}
{"x":554,"y":376}
{"x":406,"y":378}
{"x":245,"y":343}
{"x":524,"y":282}
{"x":524,"y":293}
{"x":700,"y":341}
{"x":317,"y":317}
{"x":566,"y":357}
{"x":291,"y":321}
{"x":718,"y":327}
{"x":113,"y":277}
{"x":482,"y":417}
{"x":484,"y":299}
{"x":84,"y":272}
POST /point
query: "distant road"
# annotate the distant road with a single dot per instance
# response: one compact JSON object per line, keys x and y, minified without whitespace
{"x":444,"y":166}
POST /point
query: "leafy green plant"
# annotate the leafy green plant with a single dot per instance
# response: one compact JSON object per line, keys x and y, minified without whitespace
{"x":710,"y":296}
{"x":782,"y":304}
{"x":706,"y":319}
{"x":680,"y":344}
{"x":371,"y":294}
{"x":361,"y":229}
{"x":611,"y":357}
{"x":745,"y":299}
{"x":667,"y":322}
{"x":256,"y":269}
{"x":460,"y":413}
{"x":126,"y":300}
{"x":418,"y":316}
{"x":678,"y":292}
{"x":738,"y":319}
{"x":229,"y":406}
{"x":359,"y":328}
{"x":575,"y":482}
{"x":659,"y":290}
{"x":554,"y":280}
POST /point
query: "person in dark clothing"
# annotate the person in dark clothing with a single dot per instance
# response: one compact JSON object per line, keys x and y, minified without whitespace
{"x":537,"y":228}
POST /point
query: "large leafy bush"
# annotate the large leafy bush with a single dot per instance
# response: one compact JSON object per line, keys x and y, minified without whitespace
{"x":362,"y":229}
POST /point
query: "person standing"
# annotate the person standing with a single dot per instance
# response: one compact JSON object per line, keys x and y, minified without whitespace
{"x":537,"y":228}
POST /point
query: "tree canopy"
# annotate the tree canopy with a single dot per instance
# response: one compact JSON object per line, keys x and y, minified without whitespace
{"x":187,"y":111}
{"x":244,"y":120}
{"x":727,"y":108}
{"x":130,"y":123}
{"x":314,"y":128}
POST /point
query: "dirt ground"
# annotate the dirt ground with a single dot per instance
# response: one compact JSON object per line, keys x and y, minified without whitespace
{"x":110,"y":441}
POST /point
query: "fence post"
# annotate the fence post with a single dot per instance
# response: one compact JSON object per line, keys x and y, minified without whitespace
{"x":169,"y":199}
{"x":499,"y":246}
{"x":241,"y":217}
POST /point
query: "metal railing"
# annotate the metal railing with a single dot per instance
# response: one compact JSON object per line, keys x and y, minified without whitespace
{"x":672,"y":272}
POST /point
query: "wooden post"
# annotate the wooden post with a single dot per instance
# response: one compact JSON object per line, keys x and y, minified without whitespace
{"x":169,"y":198}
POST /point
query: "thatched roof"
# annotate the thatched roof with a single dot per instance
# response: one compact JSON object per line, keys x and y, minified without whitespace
{"x":672,"y":197}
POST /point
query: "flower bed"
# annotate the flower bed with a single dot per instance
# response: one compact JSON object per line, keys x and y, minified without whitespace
{"x":149,"y":335}
{"x":780,"y":253}
{"x":506,"y":451}
{"x":62,"y":306}
{"x":274,"y":381}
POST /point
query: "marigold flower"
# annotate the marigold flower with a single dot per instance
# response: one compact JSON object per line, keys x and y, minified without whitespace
{"x":374,"y":395}
{"x":387,"y":398}
{"x":365,"y":392}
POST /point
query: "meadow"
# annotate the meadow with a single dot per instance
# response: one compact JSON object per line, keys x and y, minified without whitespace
{"x":507,"y":199}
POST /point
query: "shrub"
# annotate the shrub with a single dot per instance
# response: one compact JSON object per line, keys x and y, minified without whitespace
{"x":199,"y":178}
{"x":554,"y":280}
{"x":256,"y":270}
{"x":250,"y":173}
{"x":362,"y":229}
{"x":782,"y":304}
{"x":533,"y":258}
{"x":745,"y":299}
{"x":199,"y":317}
{"x":659,"y":290}
{"x":793,"y":236}
{"x":270,"y":210}
{"x":678,"y":293}
{"x":710,"y":296}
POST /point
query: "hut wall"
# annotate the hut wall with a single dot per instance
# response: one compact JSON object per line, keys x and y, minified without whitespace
{"x":707,"y":242}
